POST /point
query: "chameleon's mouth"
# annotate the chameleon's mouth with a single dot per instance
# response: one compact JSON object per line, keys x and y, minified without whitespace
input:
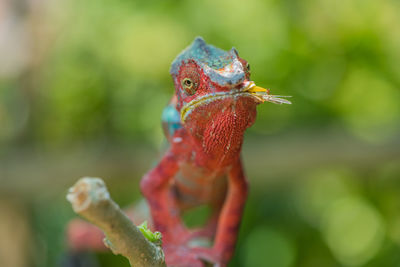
{"x":248,"y":89}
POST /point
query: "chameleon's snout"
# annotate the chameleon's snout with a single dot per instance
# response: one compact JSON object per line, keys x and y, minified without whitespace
{"x":263,"y":95}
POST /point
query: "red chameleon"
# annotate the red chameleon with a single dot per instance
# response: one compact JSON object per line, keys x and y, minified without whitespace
{"x":214,"y":103}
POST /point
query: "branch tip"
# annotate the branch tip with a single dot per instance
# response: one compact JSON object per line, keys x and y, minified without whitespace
{"x":90,"y":199}
{"x":87,"y":191}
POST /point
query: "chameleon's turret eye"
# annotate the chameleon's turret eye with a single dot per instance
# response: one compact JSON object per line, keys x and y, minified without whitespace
{"x":189,"y":86}
{"x":187,"y":82}
{"x":189,"y":79}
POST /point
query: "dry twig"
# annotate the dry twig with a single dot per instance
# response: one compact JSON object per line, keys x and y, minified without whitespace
{"x":90,"y":199}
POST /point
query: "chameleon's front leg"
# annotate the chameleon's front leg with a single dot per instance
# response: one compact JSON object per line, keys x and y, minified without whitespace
{"x":155,"y":186}
{"x":229,"y":220}
{"x":165,"y":213}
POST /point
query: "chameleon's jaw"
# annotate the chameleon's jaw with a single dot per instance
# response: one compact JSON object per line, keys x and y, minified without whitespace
{"x":249,"y":89}
{"x":208,"y":98}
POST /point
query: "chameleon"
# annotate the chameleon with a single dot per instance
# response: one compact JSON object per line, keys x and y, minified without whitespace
{"x":214,"y":103}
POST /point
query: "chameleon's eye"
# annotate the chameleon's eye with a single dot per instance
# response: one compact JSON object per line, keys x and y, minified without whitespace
{"x":187,"y":82}
{"x":189,"y":86}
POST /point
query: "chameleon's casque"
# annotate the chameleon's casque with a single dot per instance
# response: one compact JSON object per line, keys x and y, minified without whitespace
{"x":220,"y":66}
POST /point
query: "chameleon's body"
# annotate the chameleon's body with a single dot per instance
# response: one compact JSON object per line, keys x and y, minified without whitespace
{"x":214,"y":103}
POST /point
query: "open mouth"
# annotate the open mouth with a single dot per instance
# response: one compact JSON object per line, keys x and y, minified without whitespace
{"x":248,"y":89}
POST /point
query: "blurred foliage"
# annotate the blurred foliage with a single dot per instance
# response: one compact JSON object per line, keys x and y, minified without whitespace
{"x":104,"y":71}
{"x":96,"y":72}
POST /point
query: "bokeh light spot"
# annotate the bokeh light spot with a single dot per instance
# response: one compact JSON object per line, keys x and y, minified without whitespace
{"x":267,"y":247}
{"x":353,"y":230}
{"x":369,"y":105}
{"x":319,"y":189}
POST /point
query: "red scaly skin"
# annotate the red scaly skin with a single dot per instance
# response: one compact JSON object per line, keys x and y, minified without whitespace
{"x":202,"y":166}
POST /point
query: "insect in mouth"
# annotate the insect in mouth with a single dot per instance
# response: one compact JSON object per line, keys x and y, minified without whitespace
{"x":263,"y":95}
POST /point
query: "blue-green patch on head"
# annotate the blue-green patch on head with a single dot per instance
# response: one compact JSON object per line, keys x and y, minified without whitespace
{"x":222,"y":67}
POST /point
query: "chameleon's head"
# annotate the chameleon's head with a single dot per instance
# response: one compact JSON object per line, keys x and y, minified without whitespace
{"x":214,"y":91}
{"x":205,"y":75}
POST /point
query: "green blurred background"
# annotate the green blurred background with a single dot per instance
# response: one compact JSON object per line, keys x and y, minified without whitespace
{"x":83,"y":85}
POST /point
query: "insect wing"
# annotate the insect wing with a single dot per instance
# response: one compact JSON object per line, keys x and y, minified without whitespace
{"x":276,"y":99}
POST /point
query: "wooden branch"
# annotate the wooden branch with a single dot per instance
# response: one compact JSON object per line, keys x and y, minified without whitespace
{"x":90,"y":199}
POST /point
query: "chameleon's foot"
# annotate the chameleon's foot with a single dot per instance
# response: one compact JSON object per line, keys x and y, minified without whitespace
{"x":181,"y":256}
{"x":210,"y":255}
